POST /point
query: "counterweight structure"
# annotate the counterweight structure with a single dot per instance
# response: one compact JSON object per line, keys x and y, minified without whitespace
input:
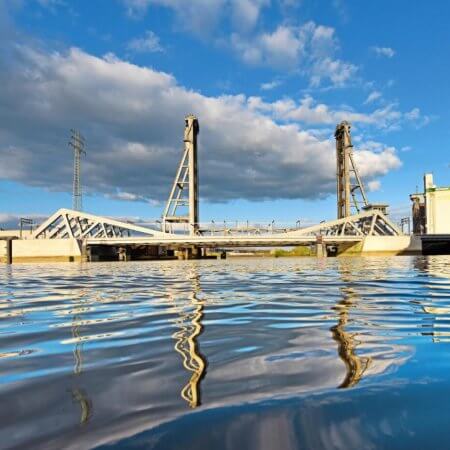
{"x":77,"y":142}
{"x":346,"y":174}
{"x":182,"y":206}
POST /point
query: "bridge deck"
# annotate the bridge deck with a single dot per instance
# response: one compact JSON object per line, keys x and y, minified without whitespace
{"x":223,"y":241}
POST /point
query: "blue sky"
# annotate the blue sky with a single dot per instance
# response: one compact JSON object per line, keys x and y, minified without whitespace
{"x":268,"y":80}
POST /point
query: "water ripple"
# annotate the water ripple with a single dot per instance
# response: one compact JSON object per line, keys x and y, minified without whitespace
{"x":123,"y":349}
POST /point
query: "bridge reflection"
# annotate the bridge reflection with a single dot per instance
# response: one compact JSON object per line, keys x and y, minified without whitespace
{"x":190,"y":327}
{"x":437,"y":269}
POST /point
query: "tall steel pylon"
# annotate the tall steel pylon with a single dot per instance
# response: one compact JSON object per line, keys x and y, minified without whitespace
{"x":182,"y":205}
{"x":77,"y":142}
{"x":348,"y":180}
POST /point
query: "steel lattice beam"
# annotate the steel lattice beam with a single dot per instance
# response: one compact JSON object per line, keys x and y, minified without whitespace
{"x":66,"y":223}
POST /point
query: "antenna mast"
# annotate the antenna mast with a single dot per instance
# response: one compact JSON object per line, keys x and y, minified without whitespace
{"x":77,"y":142}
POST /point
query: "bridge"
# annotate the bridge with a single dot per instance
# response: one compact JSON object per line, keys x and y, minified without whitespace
{"x":357,"y":218}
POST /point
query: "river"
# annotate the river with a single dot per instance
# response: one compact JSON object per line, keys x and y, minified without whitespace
{"x":251,"y":353}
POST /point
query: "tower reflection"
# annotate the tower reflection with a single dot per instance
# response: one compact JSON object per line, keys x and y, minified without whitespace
{"x":348,"y":342}
{"x":78,"y":394}
{"x":190,"y":327}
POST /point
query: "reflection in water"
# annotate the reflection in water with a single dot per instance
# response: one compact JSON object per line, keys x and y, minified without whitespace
{"x":79,"y":395}
{"x":187,"y":344}
{"x":434,"y":268}
{"x":85,"y":403}
{"x":78,"y":347}
{"x":355,"y":365}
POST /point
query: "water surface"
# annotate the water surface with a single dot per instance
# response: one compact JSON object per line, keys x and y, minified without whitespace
{"x":347,"y":353}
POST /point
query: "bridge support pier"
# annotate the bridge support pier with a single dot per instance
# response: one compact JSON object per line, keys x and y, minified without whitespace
{"x":123,"y":254}
{"x":9,"y":251}
{"x":9,"y":248}
{"x":321,"y":248}
{"x":192,"y":252}
{"x":85,"y":252}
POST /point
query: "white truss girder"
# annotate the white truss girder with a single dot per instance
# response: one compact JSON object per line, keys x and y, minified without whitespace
{"x":68,"y":224}
{"x":369,"y":223}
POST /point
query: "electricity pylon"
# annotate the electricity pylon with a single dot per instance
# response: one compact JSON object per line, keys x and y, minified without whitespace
{"x":77,"y":142}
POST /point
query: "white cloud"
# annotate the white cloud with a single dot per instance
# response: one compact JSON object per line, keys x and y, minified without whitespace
{"x":338,"y":72}
{"x":282,"y":48}
{"x":374,"y":185}
{"x":132,"y":118}
{"x":308,"y":47}
{"x":414,"y":114}
{"x":246,"y":13}
{"x":200,"y":16}
{"x":150,"y":43}
{"x":309,"y":111}
{"x":270,"y":85}
{"x":197,"y":16}
{"x":372,"y":97}
{"x":376,"y":162}
{"x":384,"y":51}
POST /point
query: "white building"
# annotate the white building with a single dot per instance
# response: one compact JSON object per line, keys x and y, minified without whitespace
{"x":431,"y":210}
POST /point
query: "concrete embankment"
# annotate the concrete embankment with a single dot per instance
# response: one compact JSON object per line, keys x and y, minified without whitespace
{"x":42,"y":250}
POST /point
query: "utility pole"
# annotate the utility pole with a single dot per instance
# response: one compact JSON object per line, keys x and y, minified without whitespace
{"x":77,"y":142}
{"x":186,"y":179}
{"x":346,"y":170}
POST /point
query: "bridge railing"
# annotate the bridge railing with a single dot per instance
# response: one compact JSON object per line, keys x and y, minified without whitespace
{"x":238,"y":228}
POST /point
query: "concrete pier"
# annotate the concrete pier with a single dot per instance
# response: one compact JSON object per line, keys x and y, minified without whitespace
{"x":8,"y":248}
{"x":9,"y":251}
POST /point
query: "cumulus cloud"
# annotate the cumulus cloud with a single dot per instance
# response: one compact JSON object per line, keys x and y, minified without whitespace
{"x":132,"y":118}
{"x":307,"y":110}
{"x":149,"y":43}
{"x":335,"y":70}
{"x":281,"y":48}
{"x":246,"y":13}
{"x":388,"y":52}
{"x":309,"y":47}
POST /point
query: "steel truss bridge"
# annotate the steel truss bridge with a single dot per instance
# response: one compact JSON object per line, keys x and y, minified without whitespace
{"x":96,"y":230}
{"x":182,"y":208}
